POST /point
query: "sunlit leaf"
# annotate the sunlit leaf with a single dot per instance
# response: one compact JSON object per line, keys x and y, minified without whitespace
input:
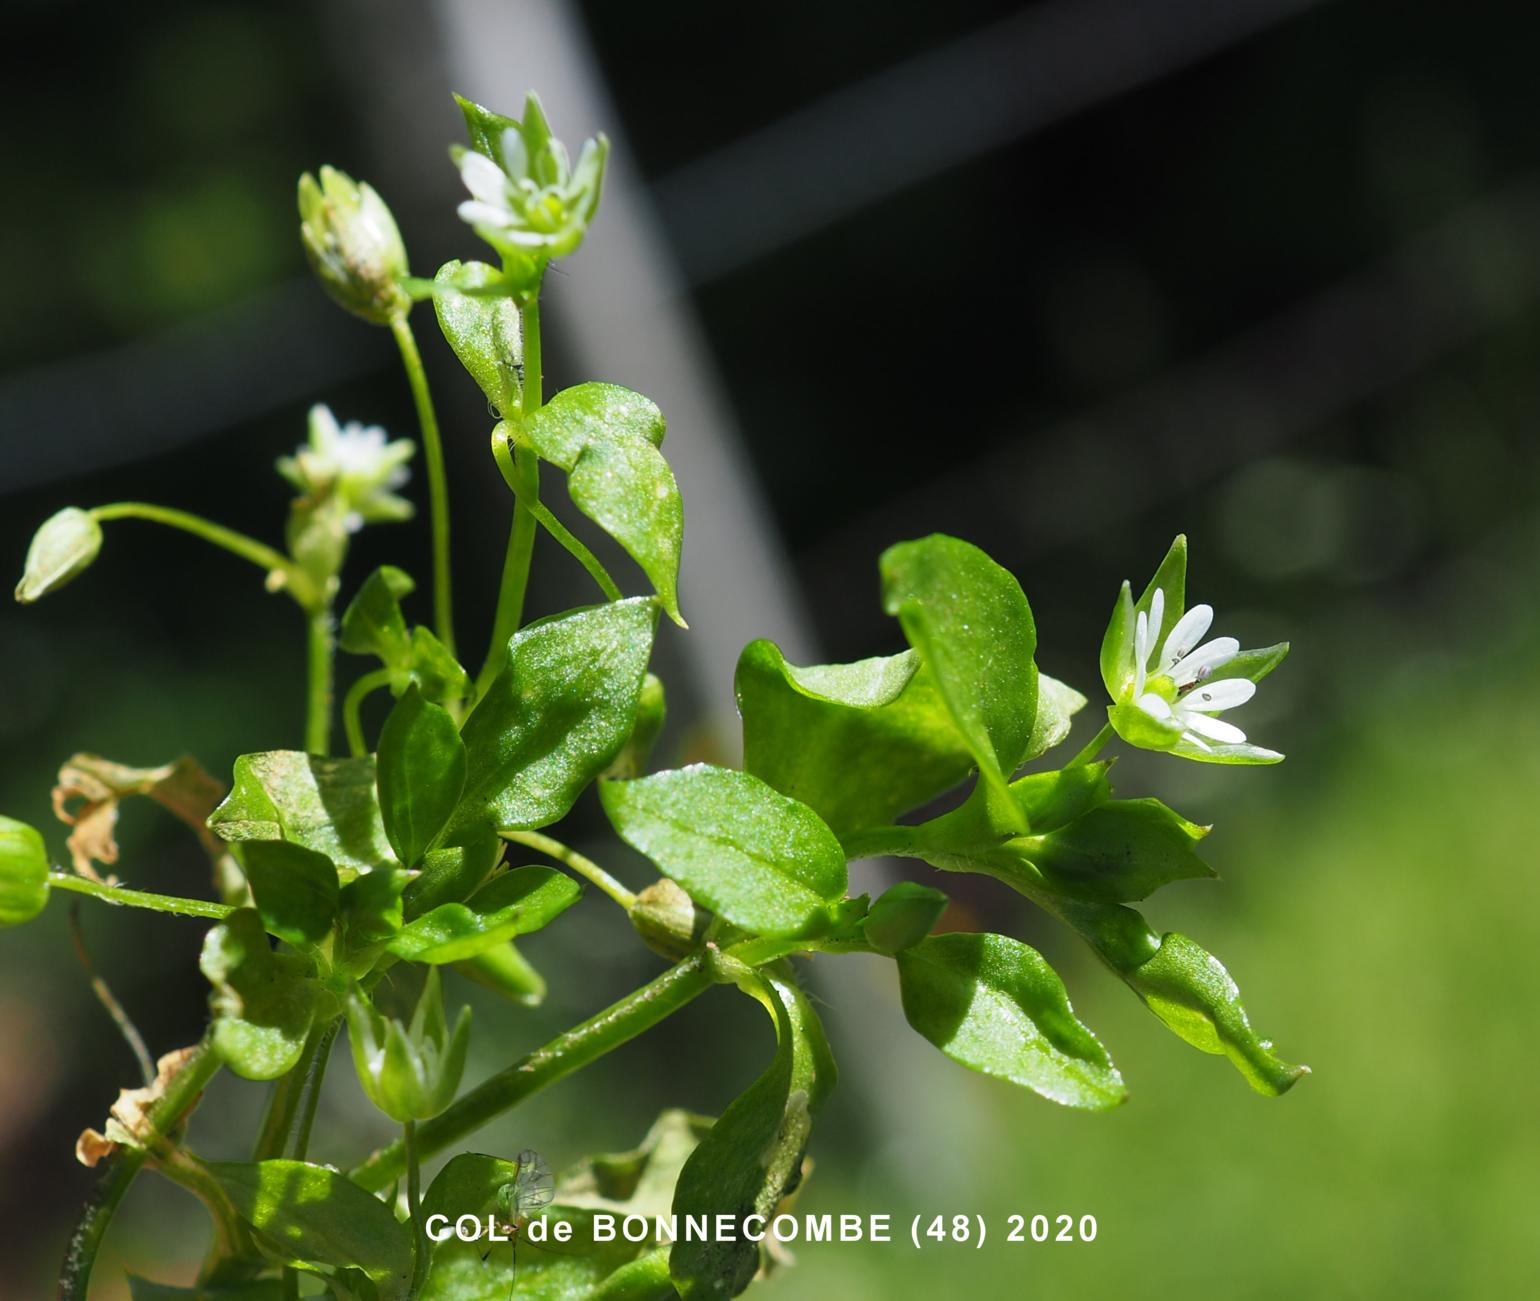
{"x":516,"y":903}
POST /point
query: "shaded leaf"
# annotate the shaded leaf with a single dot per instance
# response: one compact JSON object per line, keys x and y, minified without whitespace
{"x":263,"y":1002}
{"x":556,"y":716}
{"x":994,"y":1005}
{"x":506,"y":971}
{"x":516,"y":903}
{"x":369,"y":913}
{"x":421,"y":773}
{"x":295,"y":889}
{"x":902,"y":916}
{"x":141,"y":1289}
{"x":764,"y":861}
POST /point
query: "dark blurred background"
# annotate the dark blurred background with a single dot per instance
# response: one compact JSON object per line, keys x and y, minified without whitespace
{"x":1064,"y":278}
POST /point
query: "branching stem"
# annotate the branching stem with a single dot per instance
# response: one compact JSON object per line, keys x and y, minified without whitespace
{"x":579,"y":863}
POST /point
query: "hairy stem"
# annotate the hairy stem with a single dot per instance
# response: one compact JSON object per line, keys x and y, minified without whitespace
{"x":315,"y":1075}
{"x":579,"y":863}
{"x":521,"y":536}
{"x":283,"y":1103}
{"x":259,"y":553}
{"x":414,"y":1208}
{"x":438,"y":483}
{"x":320,"y":644}
{"x":119,"y":894}
{"x":352,"y":703}
{"x":618,"y":1024}
{"x":180,"y":1094}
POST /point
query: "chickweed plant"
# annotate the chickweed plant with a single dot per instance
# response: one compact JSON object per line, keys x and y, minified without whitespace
{"x":432,"y":845}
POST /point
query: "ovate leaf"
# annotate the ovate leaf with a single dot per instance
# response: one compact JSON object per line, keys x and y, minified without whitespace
{"x":556,"y":716}
{"x":295,"y":889}
{"x":506,"y":971}
{"x":516,"y":903}
{"x":1119,"y":851}
{"x":995,"y":1006}
{"x":1057,"y":705}
{"x":313,"y":1217}
{"x":421,"y":768}
{"x":607,"y":438}
{"x":483,"y":329}
{"x":328,"y":805}
{"x":373,"y":623}
{"x":858,"y":743}
{"x":764,"y":861}
{"x":263,"y":1002}
{"x":752,"y":1156}
{"x":369,"y":912}
{"x":972,"y":626}
{"x":23,"y":872}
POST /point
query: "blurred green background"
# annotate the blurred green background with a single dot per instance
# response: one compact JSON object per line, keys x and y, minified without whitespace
{"x":1063,"y":278}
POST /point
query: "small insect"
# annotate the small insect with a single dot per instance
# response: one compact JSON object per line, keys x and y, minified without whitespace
{"x":531,"y":1190}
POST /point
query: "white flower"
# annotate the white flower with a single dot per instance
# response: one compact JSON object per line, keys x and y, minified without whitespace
{"x":1175,"y":687}
{"x":354,"y":465}
{"x":539,"y":203}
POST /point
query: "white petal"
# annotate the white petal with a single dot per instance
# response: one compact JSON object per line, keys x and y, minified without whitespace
{"x":483,"y":214}
{"x":1157,"y":614}
{"x":1227,"y":693}
{"x":1203,"y":661}
{"x":1155,"y":706}
{"x":1189,"y":631}
{"x":482,"y":177}
{"x":1216,"y":729}
{"x":1141,"y":649}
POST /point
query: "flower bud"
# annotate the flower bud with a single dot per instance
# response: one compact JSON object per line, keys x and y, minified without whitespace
{"x":667,"y":919}
{"x":23,"y":872}
{"x":409,"y":1072}
{"x":65,"y":545}
{"x":353,"y":245}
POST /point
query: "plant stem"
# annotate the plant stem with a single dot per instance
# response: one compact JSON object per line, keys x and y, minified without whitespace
{"x":579,"y":863}
{"x":880,"y":842}
{"x":311,"y":1098}
{"x":618,"y":1024}
{"x":1093,"y":747}
{"x":118,"y":894}
{"x":108,"y":1000}
{"x":180,"y":1094}
{"x":239,"y":544}
{"x":521,"y":536}
{"x":283,"y":1102}
{"x":320,"y":645}
{"x":414,"y":1209}
{"x":438,"y":483}
{"x":352,"y":724}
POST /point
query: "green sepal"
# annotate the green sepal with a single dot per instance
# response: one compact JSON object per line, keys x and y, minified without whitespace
{"x":518,"y":902}
{"x":971,"y":624}
{"x":505,"y":971}
{"x":23,"y":872}
{"x":607,"y":438}
{"x":263,"y":1002}
{"x":752,"y":1157}
{"x":421,"y":773}
{"x":556,"y":716}
{"x":310,"y":1217}
{"x":327,"y":805}
{"x":994,"y":1005}
{"x":762,"y":860}
{"x":902,"y":916}
{"x":482,"y":326}
{"x":860,"y":744}
{"x":410,"y":1072}
{"x":295,"y":889}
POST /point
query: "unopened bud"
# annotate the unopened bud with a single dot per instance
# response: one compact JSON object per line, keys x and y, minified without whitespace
{"x":667,"y":919}
{"x":65,"y":546}
{"x":353,"y":245}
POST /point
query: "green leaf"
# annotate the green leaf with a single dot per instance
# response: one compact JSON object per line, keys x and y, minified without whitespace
{"x":764,"y":861}
{"x":994,"y":1005}
{"x":902,"y":916}
{"x":752,"y":1157}
{"x":1171,"y":578}
{"x":858,"y":743}
{"x":23,"y":872}
{"x":483,"y":329}
{"x":556,"y":716}
{"x":516,"y":903}
{"x":314,"y":1218}
{"x":263,"y":1002}
{"x":1057,"y":705}
{"x":450,"y":873}
{"x":295,"y":889}
{"x":327,"y":805}
{"x":1119,"y":851}
{"x":440,"y":675}
{"x":606,"y":438}
{"x":373,"y":623}
{"x":421,"y":766}
{"x":651,"y":712}
{"x":370,"y":912}
{"x":972,"y":626}
{"x":1185,"y":986}
{"x":641,"y":1181}
{"x":505,"y":971}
